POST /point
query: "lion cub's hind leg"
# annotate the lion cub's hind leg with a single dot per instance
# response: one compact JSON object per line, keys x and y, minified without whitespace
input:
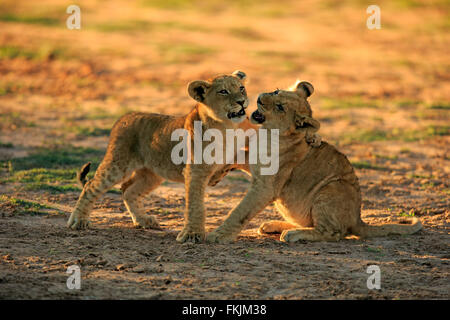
{"x":334,"y":211}
{"x":275,"y":226}
{"x":141,"y":183}
{"x":106,"y":176}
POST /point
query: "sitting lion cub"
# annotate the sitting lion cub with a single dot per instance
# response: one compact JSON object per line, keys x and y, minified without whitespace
{"x":139,"y":155}
{"x":316,"y":189}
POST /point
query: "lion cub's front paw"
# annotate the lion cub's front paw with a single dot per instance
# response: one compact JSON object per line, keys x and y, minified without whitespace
{"x":78,"y":222}
{"x":147,"y":222}
{"x":218,"y":237}
{"x":189,"y":235}
{"x":290,"y":236}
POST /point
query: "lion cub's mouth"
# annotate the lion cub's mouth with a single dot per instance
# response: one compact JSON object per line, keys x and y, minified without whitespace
{"x":237,"y":116}
{"x":258,"y":117}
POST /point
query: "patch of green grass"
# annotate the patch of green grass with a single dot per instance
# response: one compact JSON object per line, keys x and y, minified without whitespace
{"x":58,"y":157}
{"x":281,"y":61}
{"x":53,"y":169}
{"x":13,"y":120}
{"x":6,"y":145}
{"x":30,"y":19}
{"x":44,"y":52}
{"x":440,"y":105}
{"x":6,"y":88}
{"x":365,"y":136}
{"x":166,"y":4}
{"x":409,"y":214}
{"x":100,"y":114}
{"x":419,"y":176}
{"x":182,"y":26}
{"x":427,"y":185}
{"x":82,"y":131}
{"x":405,"y":150}
{"x":406,"y":135}
{"x":43,"y":175}
{"x":20,"y":206}
{"x":276,"y":54}
{"x":52,"y":188}
{"x":349,"y":103}
{"x":407,"y":104}
{"x":429,"y":114}
{"x":366,"y":165}
{"x":378,"y":251}
{"x":386,"y":157}
{"x":434,"y":130}
{"x":184,"y":52}
{"x":124,"y":26}
{"x":276,"y":12}
{"x":407,"y":4}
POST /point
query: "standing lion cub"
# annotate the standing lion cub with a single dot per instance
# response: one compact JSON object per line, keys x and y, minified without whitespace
{"x":316,"y":189}
{"x":139,"y":155}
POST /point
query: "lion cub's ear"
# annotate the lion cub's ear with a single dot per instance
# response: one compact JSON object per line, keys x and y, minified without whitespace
{"x":197,"y":89}
{"x":309,"y":124}
{"x":241,"y":75}
{"x":304,"y":89}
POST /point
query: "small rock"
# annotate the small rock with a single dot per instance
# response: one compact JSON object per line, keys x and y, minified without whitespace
{"x":120,"y":267}
{"x":139,"y":269}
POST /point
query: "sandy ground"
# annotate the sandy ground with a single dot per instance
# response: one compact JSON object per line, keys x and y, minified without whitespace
{"x":381,"y":96}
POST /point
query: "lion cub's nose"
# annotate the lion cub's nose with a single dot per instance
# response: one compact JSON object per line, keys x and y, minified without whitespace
{"x":240,"y":102}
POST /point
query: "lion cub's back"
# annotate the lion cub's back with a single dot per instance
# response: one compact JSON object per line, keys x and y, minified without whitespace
{"x":323,"y":163}
{"x":135,"y":132}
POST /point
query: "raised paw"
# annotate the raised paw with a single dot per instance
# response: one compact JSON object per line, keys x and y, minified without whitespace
{"x":147,"y":222}
{"x":219,"y":237}
{"x":77,"y":222}
{"x":188,"y":235}
{"x":314,"y":140}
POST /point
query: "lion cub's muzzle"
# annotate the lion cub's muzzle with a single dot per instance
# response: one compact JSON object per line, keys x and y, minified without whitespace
{"x":238,"y":116}
{"x":258,"y":117}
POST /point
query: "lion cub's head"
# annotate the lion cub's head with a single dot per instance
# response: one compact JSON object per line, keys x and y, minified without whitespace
{"x":288,"y":111}
{"x":224,"y":96}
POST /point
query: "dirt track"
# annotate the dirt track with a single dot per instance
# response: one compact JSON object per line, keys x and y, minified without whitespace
{"x":382,"y":98}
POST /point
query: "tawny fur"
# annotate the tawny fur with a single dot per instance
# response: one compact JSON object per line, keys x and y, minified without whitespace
{"x":139,"y":156}
{"x":316,"y":189}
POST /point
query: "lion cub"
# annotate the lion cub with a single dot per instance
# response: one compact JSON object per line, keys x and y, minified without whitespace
{"x":316,"y":189}
{"x":139,"y":155}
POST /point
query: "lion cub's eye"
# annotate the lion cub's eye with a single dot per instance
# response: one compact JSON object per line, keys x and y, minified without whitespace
{"x":242,"y":89}
{"x":280,"y":107}
{"x":223,"y":91}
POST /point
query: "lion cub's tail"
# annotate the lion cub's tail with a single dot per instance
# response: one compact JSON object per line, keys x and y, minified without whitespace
{"x":404,"y":227}
{"x":81,"y":175}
